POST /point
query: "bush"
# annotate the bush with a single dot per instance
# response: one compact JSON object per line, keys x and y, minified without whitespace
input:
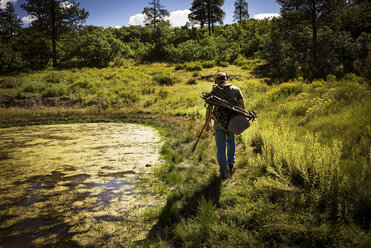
{"x":223,"y":63}
{"x":179,"y":67}
{"x":163,"y":93}
{"x":54,"y":78}
{"x":92,"y":49}
{"x":126,"y":95}
{"x":331,"y":78}
{"x":33,"y":88}
{"x":194,"y":66}
{"x":192,"y":81}
{"x":241,"y":60}
{"x":10,"y":83}
{"x":53,"y":91}
{"x":164,"y":78}
{"x":208,"y":64}
{"x":285,"y":89}
{"x":147,"y":90}
{"x":81,"y":84}
{"x":10,"y":60}
{"x":196,"y":74}
{"x":351,"y":77}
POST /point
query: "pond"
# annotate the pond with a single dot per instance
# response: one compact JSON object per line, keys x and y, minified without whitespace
{"x":72,"y":185}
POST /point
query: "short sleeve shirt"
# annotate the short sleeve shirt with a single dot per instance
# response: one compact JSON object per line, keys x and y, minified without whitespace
{"x":224,"y":92}
{"x":230,"y":93}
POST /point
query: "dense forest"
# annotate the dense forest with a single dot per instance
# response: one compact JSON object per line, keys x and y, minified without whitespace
{"x":311,"y":39}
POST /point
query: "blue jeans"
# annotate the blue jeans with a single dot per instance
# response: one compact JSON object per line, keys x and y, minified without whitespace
{"x":224,"y":141}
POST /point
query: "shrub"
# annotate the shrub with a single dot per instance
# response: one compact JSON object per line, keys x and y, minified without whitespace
{"x":193,"y":66}
{"x":241,"y":60}
{"x":285,"y":89}
{"x":147,"y":90}
{"x":331,"y":78}
{"x":11,"y":83}
{"x":257,"y":144}
{"x":10,"y":60}
{"x":208,"y":64}
{"x":33,"y":88}
{"x":367,"y":67}
{"x":179,"y":67}
{"x":53,"y":91}
{"x":347,"y":93}
{"x":53,"y":78}
{"x":196,"y":74}
{"x":82,"y":84}
{"x":164,"y":78}
{"x":223,"y":63}
{"x":163,"y":93}
{"x":299,"y":110}
{"x":192,"y":81}
{"x":125,"y":95}
{"x":351,"y":77}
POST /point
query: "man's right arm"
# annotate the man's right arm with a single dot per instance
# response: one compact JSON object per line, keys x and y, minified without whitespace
{"x":242,"y":103}
{"x":208,"y":117}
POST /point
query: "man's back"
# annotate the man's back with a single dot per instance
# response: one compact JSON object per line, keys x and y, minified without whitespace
{"x":232,"y":95}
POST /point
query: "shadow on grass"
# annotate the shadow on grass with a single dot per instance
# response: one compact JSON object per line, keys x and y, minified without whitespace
{"x":178,"y":207}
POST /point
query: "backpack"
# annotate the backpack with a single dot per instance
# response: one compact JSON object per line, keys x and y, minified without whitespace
{"x":227,"y":119}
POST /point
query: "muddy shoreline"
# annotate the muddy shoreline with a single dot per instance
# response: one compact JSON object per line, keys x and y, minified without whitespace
{"x":80,"y":190}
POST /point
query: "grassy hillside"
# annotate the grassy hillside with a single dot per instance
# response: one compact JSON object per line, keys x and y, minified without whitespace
{"x":303,"y":174}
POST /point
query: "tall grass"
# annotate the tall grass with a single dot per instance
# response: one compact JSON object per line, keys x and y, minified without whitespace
{"x":303,"y":168}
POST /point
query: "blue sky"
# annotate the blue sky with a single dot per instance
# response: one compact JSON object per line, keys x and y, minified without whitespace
{"x":115,"y":13}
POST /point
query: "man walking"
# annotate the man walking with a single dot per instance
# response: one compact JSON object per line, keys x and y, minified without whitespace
{"x":225,"y":140}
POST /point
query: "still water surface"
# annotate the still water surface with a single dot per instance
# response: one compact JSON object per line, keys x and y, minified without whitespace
{"x":72,"y":185}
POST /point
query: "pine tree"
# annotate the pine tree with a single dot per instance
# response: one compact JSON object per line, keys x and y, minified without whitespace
{"x":55,"y":18}
{"x":240,"y":10}
{"x":316,"y":14}
{"x":198,"y":12}
{"x":155,"y":13}
{"x":9,"y":23}
{"x":207,"y":11}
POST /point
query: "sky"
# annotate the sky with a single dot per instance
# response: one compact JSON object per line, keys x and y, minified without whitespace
{"x":117,"y":13}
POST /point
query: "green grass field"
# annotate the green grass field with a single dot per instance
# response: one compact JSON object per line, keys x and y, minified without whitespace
{"x":303,"y":175}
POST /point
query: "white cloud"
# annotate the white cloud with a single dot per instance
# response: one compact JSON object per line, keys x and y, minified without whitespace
{"x":28,"y":19}
{"x":65,"y":5}
{"x":177,"y":18}
{"x":138,"y":19}
{"x":265,"y":15}
{"x":3,"y":3}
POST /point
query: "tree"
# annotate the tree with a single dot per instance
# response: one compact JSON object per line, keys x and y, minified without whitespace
{"x":240,"y":10}
{"x":216,"y":13}
{"x":55,"y":18}
{"x":207,"y":11}
{"x":155,"y":13}
{"x":315,"y":14}
{"x":9,"y":23}
{"x":356,"y":18}
{"x":198,"y":12}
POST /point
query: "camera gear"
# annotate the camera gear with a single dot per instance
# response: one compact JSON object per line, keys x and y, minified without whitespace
{"x":227,"y":111}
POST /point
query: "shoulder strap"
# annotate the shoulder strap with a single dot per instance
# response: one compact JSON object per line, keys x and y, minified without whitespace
{"x":225,"y":91}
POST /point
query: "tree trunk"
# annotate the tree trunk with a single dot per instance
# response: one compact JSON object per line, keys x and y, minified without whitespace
{"x":54,"y":33}
{"x":314,"y":41}
{"x":212,"y":25}
{"x":154,"y":14}
{"x":209,"y":17}
{"x":240,"y":7}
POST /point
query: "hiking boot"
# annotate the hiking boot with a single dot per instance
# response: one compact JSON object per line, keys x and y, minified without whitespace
{"x":224,"y":176}
{"x":231,"y":168}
